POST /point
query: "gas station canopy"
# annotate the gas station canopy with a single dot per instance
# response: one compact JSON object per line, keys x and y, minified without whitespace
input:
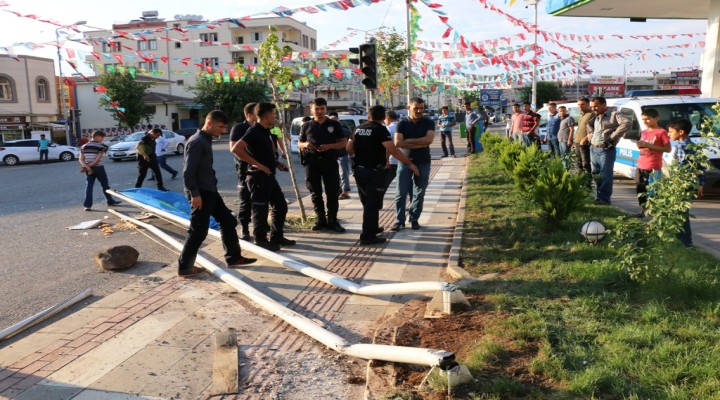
{"x":655,"y":9}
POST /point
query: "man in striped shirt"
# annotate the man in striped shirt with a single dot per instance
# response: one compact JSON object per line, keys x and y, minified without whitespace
{"x":91,"y":155}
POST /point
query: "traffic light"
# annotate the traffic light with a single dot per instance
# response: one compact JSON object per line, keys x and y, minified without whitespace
{"x":367,"y":61}
{"x":75,"y":113}
{"x":368,"y":57}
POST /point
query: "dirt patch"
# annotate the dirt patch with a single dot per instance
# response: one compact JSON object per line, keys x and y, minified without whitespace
{"x":460,"y":333}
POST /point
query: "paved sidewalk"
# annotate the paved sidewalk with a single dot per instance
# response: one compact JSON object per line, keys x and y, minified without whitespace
{"x":156,"y":338}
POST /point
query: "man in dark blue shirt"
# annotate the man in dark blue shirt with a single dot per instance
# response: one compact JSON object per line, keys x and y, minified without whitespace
{"x":414,"y":137}
{"x":319,"y":142}
{"x":201,"y":188}
{"x":256,"y":148}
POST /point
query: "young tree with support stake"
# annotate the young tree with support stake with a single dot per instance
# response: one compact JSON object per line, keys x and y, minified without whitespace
{"x":278,"y":77}
{"x":125,"y":90}
{"x":392,"y":55}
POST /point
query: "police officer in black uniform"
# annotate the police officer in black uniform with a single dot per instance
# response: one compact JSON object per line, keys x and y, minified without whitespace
{"x":369,"y":143}
{"x":237,"y":132}
{"x":319,"y":142}
{"x":257,"y":149}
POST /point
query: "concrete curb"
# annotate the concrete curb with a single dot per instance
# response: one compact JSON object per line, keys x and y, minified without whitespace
{"x":454,"y":269}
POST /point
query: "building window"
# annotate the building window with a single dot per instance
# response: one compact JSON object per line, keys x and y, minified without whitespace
{"x":180,"y":82}
{"x":43,"y":90}
{"x":147,"y":44}
{"x":108,"y":67}
{"x":257,"y":37}
{"x":111,"y":47}
{"x":313,"y":44}
{"x":212,"y":62}
{"x":305,"y":41}
{"x":148,"y":66}
{"x":237,"y":58}
{"x":208,"y":38}
{"x":176,"y":25}
{"x":239,"y":40}
{"x":255,"y":60}
{"x":7,"y":89}
{"x":178,"y":45}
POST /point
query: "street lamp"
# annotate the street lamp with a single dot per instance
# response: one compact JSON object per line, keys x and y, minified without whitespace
{"x":367,"y":36}
{"x":534,"y":75}
{"x":62,"y":83}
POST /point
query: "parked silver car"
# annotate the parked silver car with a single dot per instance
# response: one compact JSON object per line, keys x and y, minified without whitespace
{"x":125,"y":149}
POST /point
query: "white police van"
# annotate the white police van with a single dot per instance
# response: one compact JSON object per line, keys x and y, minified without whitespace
{"x":670,"y":106}
{"x":350,"y":121}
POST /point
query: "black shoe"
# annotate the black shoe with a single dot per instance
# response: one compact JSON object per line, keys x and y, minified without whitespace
{"x":242,"y":261}
{"x":414,"y":225}
{"x":174,"y":175}
{"x":319,"y":226}
{"x":191,"y":272}
{"x":380,"y":229}
{"x":601,"y":202}
{"x":444,"y":156}
{"x":333,"y":225}
{"x":283,"y":241}
{"x":268,"y":246}
{"x":114,"y":203}
{"x":245,"y":237}
{"x":162,"y":189}
{"x":397,"y":226}
{"x":375,"y":240}
{"x":151,"y":179}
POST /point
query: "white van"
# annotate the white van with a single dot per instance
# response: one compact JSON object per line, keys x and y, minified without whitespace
{"x":350,"y":121}
{"x":669,"y":107}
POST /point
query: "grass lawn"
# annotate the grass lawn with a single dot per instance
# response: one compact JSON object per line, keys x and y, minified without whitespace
{"x":589,"y":331}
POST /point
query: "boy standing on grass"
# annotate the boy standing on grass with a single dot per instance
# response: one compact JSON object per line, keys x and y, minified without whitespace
{"x":654,"y":141}
{"x":679,"y":130}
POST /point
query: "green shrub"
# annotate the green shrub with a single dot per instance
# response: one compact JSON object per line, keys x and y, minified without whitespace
{"x":530,"y":162}
{"x":509,"y":154}
{"x":493,"y":144}
{"x":556,"y":191}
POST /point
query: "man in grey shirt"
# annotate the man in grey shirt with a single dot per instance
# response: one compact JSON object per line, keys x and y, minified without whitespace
{"x":201,"y":188}
{"x":565,"y":133}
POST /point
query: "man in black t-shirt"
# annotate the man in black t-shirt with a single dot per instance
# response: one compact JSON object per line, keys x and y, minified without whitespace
{"x":237,"y":132}
{"x":319,"y":142}
{"x":370,"y":143}
{"x":148,"y":159}
{"x":256,"y":148}
{"x":414,"y":136}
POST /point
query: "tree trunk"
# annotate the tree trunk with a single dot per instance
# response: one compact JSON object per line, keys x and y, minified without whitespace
{"x":288,"y":154}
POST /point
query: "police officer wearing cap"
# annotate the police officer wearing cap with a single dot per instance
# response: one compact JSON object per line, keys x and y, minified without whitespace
{"x":369,"y":143}
{"x":257,"y":149}
{"x":319,"y":142}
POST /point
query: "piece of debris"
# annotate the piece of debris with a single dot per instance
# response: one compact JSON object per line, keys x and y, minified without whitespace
{"x":118,"y":257}
{"x":86,"y":225}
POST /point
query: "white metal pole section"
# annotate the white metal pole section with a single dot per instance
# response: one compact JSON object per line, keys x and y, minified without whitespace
{"x":409,"y":355}
{"x":534,"y":77}
{"x":63,"y":109}
{"x":48,"y":312}
{"x":408,"y":66}
{"x":315,"y":273}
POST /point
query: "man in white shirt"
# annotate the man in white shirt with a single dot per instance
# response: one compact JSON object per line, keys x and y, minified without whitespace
{"x":161,"y":151}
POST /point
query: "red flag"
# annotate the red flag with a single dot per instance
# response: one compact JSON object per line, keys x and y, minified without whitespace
{"x":447,"y":33}
{"x":118,"y":57}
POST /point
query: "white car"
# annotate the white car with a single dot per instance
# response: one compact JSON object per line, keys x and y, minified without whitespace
{"x":26,"y":150}
{"x":126,"y":149}
{"x":350,"y":121}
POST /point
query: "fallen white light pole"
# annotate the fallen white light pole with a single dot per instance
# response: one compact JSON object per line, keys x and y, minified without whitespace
{"x":450,"y":293}
{"x":48,"y":312}
{"x":409,"y":355}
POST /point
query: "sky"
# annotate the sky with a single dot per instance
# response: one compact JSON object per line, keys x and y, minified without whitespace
{"x":468,"y":17}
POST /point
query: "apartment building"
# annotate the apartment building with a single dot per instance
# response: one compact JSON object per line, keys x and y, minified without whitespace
{"x":179,"y":48}
{"x":28,"y":97}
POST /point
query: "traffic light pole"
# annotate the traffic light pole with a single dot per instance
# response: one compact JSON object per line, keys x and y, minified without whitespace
{"x":408,"y":70}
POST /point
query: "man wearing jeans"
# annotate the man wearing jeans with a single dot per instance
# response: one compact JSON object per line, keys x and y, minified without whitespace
{"x":414,"y":137}
{"x":607,"y":128}
{"x":91,"y":155}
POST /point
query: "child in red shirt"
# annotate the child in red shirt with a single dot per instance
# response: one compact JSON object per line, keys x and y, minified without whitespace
{"x":653,"y":142}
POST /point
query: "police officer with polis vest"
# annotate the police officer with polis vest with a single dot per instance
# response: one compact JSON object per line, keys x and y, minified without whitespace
{"x":257,"y":149}
{"x":370,"y":143}
{"x":319,"y":142}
